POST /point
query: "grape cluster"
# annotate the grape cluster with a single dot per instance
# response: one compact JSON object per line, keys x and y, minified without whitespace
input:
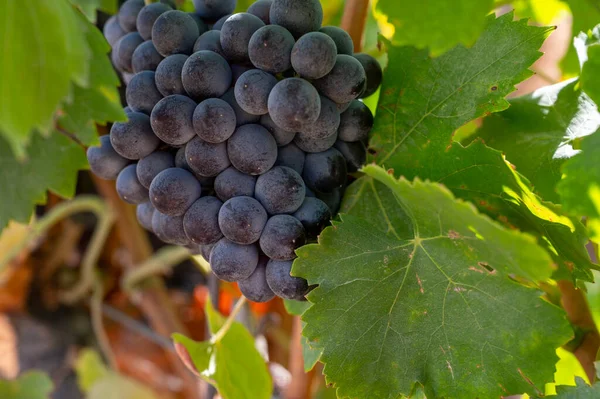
{"x":242,"y":129}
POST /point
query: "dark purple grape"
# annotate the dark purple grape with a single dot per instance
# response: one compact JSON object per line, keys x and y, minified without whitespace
{"x":202,"y":27}
{"x":206,"y":159}
{"x":261,"y":9}
{"x":332,"y":199}
{"x":342,"y":39}
{"x":355,"y":154}
{"x":129,"y":188}
{"x":280,"y":190}
{"x":206,"y":74}
{"x":219,"y":24}
{"x":292,"y":157}
{"x":168,"y":75}
{"x":214,"y":9}
{"x":141,"y":93}
{"x":171,"y":119}
{"x":345,"y":82}
{"x":174,"y":32}
{"x":242,"y":219}
{"x":252,"y":91}
{"x":373,"y":71}
{"x":238,"y":70}
{"x":297,"y":16}
{"x":252,"y":149}
{"x":123,"y":51}
{"x":128,"y":14}
{"x":214,"y":120}
{"x":201,"y":221}
{"x":150,"y":166}
{"x":314,"y":55}
{"x":309,"y":144}
{"x":145,"y":57}
{"x":325,"y":171}
{"x":236,"y":33}
{"x":210,"y":41}
{"x":327,"y":123}
{"x":147,"y":16}
{"x":294,"y":104}
{"x":134,"y":139}
{"x":174,"y":190}
{"x":105,"y":162}
{"x":241,"y":116}
{"x":282,"y":283}
{"x":233,"y":262}
{"x":282,"y":137}
{"x":144,"y":213}
{"x":113,"y":31}
{"x":356,"y":122}
{"x":169,"y":229}
{"x":281,"y":236}
{"x":270,"y":49}
{"x":314,"y":215}
{"x":233,"y":183}
{"x":255,"y":287}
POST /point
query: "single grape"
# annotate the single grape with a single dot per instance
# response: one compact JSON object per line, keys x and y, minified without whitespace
{"x":327,"y":123}
{"x":325,"y":171}
{"x":210,"y":41}
{"x":294,"y":104}
{"x":345,"y":82}
{"x":233,"y":183}
{"x":123,"y":51}
{"x":314,"y":55}
{"x":355,"y":154}
{"x":169,"y":228}
{"x":241,"y":116}
{"x":242,"y":219}
{"x":309,"y":144}
{"x":128,"y":14}
{"x":233,"y":262}
{"x":255,"y":287}
{"x":113,"y":31}
{"x":105,"y":162}
{"x":282,"y":283}
{"x":141,"y":93}
{"x":201,"y":221}
{"x":214,"y":120}
{"x":252,"y":149}
{"x":150,"y":166}
{"x":372,"y":70}
{"x":214,"y":9}
{"x":314,"y":215}
{"x":174,"y":190}
{"x":282,"y":137}
{"x":236,"y":33}
{"x":134,"y":139}
{"x":270,"y":49}
{"x":343,"y":41}
{"x":147,"y":16}
{"x":261,"y":9}
{"x":281,"y":236}
{"x":168,"y":75}
{"x":206,"y":159}
{"x":171,"y":119}
{"x":174,"y":32}
{"x":292,"y":157}
{"x":202,"y":27}
{"x":297,"y":16}
{"x":356,"y":122}
{"x":332,"y":199}
{"x":207,"y":183}
{"x":280,"y":190}
{"x":206,"y":74}
{"x":219,"y":24}
{"x":145,"y":57}
{"x":129,"y":188}
{"x":144,"y":213}
{"x":252,"y":91}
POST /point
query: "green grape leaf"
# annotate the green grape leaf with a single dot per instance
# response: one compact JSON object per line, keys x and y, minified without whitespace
{"x":89,"y":7}
{"x":45,"y":53}
{"x":295,"y":308}
{"x":586,"y":15}
{"x":232,"y":365}
{"x":538,"y":132}
{"x":89,"y":368}
{"x":588,"y":49}
{"x":581,"y":391}
{"x":30,"y":385}
{"x":436,"y":24}
{"x":419,"y":283}
{"x":580,"y":187}
{"x":51,"y":164}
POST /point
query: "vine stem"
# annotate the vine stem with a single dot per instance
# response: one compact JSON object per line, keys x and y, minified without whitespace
{"x":354,"y":21}
{"x":98,"y":325}
{"x":164,"y":260}
{"x":227,"y":325}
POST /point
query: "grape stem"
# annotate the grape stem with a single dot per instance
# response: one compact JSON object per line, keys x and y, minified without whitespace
{"x":163,"y":261}
{"x":354,"y":21}
{"x":227,"y":325}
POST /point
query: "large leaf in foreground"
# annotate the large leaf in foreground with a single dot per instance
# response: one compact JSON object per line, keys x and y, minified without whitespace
{"x":588,"y":49}
{"x":423,"y":288}
{"x":538,"y":131}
